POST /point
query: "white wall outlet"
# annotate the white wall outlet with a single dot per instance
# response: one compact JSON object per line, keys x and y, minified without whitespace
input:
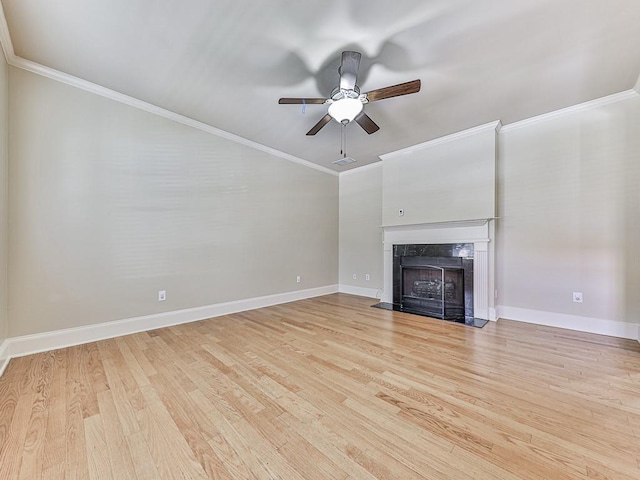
{"x":298,"y":279}
{"x":367,"y":277}
{"x":401,"y":212}
{"x":354,"y":276}
{"x":577,"y":297}
{"x":162,"y":295}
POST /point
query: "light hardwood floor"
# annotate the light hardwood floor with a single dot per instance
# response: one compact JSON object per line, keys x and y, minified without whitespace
{"x":327,"y":388}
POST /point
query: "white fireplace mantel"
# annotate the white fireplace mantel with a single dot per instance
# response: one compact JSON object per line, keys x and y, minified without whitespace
{"x":477,"y":232}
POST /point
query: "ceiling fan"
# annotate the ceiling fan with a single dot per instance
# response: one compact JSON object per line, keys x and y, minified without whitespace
{"x":346,"y":102}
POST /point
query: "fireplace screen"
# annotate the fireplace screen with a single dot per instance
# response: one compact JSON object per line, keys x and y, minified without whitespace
{"x":435,"y":280}
{"x":434,"y":290}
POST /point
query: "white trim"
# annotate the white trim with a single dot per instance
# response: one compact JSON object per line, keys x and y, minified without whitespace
{"x":598,"y":102}
{"x":14,"y":60}
{"x":5,"y":38}
{"x":447,"y":138}
{"x":436,"y":225}
{"x":4,"y":356}
{"x":359,"y":291}
{"x":481,"y":280}
{"x":493,"y":315}
{"x":7,"y":49}
{"x":33,"y":67}
{"x":476,"y":232}
{"x":612,"y":328}
{"x":42,"y":342}
{"x":161,"y":112}
{"x":369,"y":166}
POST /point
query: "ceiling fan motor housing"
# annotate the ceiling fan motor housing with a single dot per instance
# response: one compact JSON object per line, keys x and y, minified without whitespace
{"x":340,"y":93}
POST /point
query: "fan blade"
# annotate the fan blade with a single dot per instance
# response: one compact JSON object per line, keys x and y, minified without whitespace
{"x":394,"y":91}
{"x":323,"y":121}
{"x":308,"y":101}
{"x":349,"y":70}
{"x":367,"y":124}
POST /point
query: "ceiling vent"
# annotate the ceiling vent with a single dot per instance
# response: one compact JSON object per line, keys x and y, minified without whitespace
{"x":344,"y":161}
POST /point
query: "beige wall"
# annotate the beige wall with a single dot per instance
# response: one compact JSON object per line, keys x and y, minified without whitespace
{"x":420,"y":181}
{"x":568,"y":201}
{"x":360,"y":227}
{"x":4,"y":187}
{"x":109,"y":204}
{"x":569,"y":206}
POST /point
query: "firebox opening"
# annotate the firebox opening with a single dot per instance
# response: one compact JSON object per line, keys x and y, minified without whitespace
{"x":434,"y":280}
{"x":434,"y":291}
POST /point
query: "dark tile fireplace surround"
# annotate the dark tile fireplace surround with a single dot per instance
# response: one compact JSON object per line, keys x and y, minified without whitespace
{"x":434,"y":281}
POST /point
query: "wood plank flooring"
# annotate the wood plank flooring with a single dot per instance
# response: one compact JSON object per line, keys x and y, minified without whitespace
{"x":326,"y":388}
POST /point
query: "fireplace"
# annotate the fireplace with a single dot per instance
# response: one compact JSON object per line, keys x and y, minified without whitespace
{"x":474,"y":249}
{"x":434,"y":291}
{"x":434,"y":280}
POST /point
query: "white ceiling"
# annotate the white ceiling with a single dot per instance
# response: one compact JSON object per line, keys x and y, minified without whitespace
{"x":226,"y":62}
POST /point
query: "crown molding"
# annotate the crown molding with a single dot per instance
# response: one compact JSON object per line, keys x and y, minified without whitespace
{"x":19,"y":62}
{"x":96,"y":89}
{"x":581,"y":107}
{"x":5,"y":38}
{"x":496,"y":126}
{"x":53,"y":74}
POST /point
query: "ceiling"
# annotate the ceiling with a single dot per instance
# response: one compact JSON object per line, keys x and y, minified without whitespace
{"x":226,"y":62}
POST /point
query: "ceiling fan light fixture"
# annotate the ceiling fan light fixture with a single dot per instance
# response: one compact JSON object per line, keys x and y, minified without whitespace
{"x":345,"y":109}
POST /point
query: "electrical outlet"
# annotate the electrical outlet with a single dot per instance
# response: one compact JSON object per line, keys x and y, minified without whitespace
{"x":298,"y":279}
{"x":355,"y":276}
{"x":162,"y":295}
{"x":367,"y":277}
{"x":577,"y":297}
{"x":401,"y":212}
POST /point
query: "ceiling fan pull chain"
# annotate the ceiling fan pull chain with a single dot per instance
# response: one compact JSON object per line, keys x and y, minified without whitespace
{"x":343,"y":140}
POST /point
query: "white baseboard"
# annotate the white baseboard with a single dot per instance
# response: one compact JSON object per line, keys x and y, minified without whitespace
{"x":4,"y":356}
{"x":360,"y":291}
{"x":493,"y":315}
{"x":42,"y":342}
{"x":600,"y":326}
{"x":30,"y":344}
